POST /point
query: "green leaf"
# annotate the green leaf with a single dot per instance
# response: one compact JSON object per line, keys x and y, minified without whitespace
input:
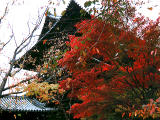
{"x":65,"y":51}
{"x":76,"y":47}
{"x":95,"y":1}
{"x":83,"y":42}
{"x":19,"y":115}
{"x":90,"y":11}
{"x":87,"y":4}
{"x":83,"y":12}
{"x":88,"y":38}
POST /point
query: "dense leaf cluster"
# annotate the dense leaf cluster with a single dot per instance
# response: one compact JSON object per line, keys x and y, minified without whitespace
{"x":114,"y":70}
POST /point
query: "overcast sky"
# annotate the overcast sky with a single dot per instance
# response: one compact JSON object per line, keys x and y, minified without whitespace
{"x":27,"y":11}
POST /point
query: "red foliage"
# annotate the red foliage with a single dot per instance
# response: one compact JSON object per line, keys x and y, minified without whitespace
{"x":108,"y":60}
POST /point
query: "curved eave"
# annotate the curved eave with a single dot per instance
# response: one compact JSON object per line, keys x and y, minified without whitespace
{"x":23,"y":110}
{"x":23,"y":104}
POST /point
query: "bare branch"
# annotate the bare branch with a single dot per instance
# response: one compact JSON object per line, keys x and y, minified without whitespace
{"x":7,"y":42}
{"x":23,"y":81}
{"x":18,"y":49}
{"x":11,"y":94}
{"x":4,"y":14}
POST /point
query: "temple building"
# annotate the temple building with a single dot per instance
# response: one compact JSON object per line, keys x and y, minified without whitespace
{"x":53,"y":35}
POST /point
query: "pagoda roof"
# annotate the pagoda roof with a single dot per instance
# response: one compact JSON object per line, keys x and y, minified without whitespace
{"x":22,"y":104}
{"x":54,"y":34}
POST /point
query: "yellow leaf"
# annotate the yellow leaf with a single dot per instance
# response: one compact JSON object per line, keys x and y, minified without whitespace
{"x":55,"y":14}
{"x":150,"y":8}
{"x":60,"y":73}
{"x":84,"y":64}
{"x":21,"y":65}
{"x":114,"y":1}
{"x":17,"y":89}
{"x":135,"y":114}
{"x":63,"y":12}
{"x":15,"y":116}
{"x":84,"y":53}
{"x":97,"y":50}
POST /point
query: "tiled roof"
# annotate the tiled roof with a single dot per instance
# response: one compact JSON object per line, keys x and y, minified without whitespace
{"x":14,"y":103}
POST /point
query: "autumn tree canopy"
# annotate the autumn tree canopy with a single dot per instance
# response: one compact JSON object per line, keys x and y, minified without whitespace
{"x":113,"y":65}
{"x":115,"y":68}
{"x":112,"y":68}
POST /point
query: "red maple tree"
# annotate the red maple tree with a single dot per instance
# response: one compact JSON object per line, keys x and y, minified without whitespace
{"x":114,"y":67}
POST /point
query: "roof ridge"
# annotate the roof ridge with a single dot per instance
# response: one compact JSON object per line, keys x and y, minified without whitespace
{"x":71,"y":1}
{"x":11,"y":96}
